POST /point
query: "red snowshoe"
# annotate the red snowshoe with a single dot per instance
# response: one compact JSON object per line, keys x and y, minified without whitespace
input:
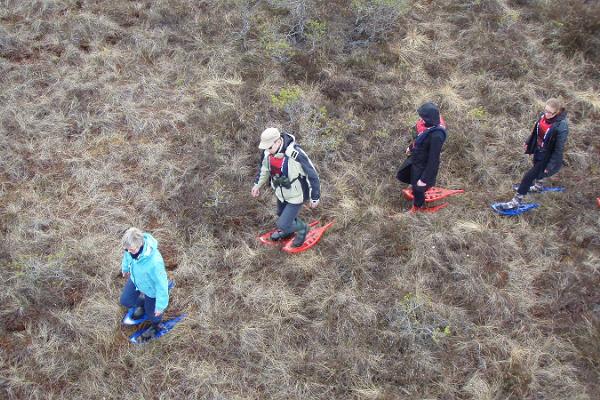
{"x":312,"y":238}
{"x":265,"y":238}
{"x":432,"y":194}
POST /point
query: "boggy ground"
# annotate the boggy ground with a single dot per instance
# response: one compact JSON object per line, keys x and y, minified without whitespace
{"x":148,"y":113}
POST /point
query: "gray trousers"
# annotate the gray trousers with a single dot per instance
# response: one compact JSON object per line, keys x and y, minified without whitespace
{"x":287,"y":213}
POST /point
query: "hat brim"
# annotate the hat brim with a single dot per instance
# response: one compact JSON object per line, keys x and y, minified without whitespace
{"x":265,"y":144}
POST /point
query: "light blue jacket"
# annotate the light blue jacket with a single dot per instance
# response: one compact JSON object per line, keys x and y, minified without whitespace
{"x":148,"y":272}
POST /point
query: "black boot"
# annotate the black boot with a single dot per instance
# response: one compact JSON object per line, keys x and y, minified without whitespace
{"x":279,"y":235}
{"x":139,"y":312}
{"x":151,"y":332}
{"x":301,"y":229}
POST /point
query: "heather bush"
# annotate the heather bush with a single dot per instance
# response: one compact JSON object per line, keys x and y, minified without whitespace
{"x":574,"y":26}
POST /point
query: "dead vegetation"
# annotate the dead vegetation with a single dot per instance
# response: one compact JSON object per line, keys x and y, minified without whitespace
{"x":147,"y":113}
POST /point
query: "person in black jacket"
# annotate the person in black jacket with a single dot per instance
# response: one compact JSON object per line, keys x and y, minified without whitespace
{"x":421,"y":167}
{"x":546,"y":143}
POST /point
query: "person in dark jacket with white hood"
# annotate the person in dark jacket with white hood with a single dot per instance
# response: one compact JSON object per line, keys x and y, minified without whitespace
{"x":421,"y":167}
{"x":294,"y":179}
{"x":546,"y":144}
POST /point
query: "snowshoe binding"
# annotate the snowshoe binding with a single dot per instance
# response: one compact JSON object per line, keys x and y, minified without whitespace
{"x":313,"y":237}
{"x":509,"y":209}
{"x":279,"y":240}
{"x":151,"y":332}
{"x":541,"y":189}
{"x":432,"y":194}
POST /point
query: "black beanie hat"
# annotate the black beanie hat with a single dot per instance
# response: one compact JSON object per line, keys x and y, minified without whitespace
{"x":430,"y":114}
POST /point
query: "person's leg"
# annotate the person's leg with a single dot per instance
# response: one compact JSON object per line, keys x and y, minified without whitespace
{"x":289,"y":223}
{"x":288,"y":231}
{"x":528,"y":179}
{"x":301,"y":229}
{"x":539,"y":180}
{"x":130,"y":296}
{"x":149,"y":306}
{"x":419,"y":195}
{"x":280,"y":207}
{"x":530,"y":176}
{"x":286,"y":220}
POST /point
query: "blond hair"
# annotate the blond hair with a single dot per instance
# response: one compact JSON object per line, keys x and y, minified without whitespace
{"x":556,"y":104}
{"x":133,"y":238}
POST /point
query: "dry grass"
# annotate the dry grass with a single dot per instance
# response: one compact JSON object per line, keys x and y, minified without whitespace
{"x":147,"y":113}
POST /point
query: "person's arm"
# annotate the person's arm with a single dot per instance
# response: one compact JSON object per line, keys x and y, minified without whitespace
{"x":161,"y":286}
{"x":263,"y":174}
{"x":125,"y":264}
{"x":260,"y":165}
{"x":262,"y":177}
{"x":556,"y":158}
{"x":433,"y":158}
{"x":530,"y":143}
{"x":311,"y":173}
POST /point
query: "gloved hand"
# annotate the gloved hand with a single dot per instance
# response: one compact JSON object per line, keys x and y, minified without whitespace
{"x":314,"y":203}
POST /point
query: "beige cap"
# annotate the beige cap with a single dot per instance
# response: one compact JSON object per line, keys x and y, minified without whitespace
{"x":268,"y":137}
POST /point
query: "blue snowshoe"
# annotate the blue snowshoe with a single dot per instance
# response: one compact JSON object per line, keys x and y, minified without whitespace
{"x":502,"y":209}
{"x":151,"y":332}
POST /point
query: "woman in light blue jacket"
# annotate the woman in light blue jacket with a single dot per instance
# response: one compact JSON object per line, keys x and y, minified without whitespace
{"x":144,"y":267}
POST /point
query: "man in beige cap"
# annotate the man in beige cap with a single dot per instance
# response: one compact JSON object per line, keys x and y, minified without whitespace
{"x":294,"y":179}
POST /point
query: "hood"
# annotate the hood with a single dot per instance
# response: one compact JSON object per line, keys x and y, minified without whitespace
{"x":287,"y":140}
{"x":150,"y":245}
{"x":558,"y":117}
{"x":430,"y":114}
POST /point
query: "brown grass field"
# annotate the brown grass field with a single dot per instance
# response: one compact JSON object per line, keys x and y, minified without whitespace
{"x":117,"y":113}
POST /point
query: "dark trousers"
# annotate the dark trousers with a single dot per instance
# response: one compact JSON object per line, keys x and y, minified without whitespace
{"x":287,"y":213}
{"x":419,"y":195}
{"x":535,"y":172}
{"x":131,"y":297}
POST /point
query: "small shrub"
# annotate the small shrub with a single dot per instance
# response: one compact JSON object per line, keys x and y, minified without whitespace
{"x":381,"y":134}
{"x":575,"y":27}
{"x":316,"y":31}
{"x":277,"y":47}
{"x":440,"y":333}
{"x":286,"y":97}
{"x":479,"y":113}
{"x":375,"y":20}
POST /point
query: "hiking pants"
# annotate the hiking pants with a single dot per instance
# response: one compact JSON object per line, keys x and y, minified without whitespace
{"x":535,"y":172}
{"x":131,"y":297}
{"x":419,"y":195}
{"x":287,"y":213}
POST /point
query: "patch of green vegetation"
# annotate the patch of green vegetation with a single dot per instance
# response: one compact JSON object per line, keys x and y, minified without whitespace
{"x":286,"y":96}
{"x":441,"y":333}
{"x":479,"y":113}
{"x":316,"y":30}
{"x":274,"y":44}
{"x":381,"y":134}
{"x":511,"y":17}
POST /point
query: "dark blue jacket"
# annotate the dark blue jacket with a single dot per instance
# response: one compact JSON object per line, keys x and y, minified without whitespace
{"x":424,"y":161}
{"x":553,"y":145}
